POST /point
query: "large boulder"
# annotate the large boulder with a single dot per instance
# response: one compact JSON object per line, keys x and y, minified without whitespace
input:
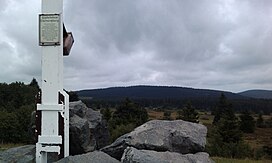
{"x":88,"y":130}
{"x":93,"y":157}
{"x":161,"y":135}
{"x":132,"y":155}
{"x":98,"y":127}
{"x":78,"y":108}
{"x":79,"y":136}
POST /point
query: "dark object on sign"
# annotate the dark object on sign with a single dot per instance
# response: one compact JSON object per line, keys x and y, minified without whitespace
{"x":68,"y":41}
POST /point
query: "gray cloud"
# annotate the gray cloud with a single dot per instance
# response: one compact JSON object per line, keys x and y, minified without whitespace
{"x":18,"y":28}
{"x":3,"y":5}
{"x":218,"y":45}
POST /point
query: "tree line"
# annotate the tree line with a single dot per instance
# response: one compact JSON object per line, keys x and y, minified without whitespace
{"x":263,"y":106}
{"x":17,"y":102}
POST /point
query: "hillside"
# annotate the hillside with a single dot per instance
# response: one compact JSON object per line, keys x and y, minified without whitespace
{"x":260,"y":94}
{"x":155,"y":92}
{"x":170,"y":97}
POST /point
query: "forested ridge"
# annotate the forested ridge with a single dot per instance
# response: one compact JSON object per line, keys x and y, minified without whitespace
{"x":171,"y":97}
{"x":155,"y":92}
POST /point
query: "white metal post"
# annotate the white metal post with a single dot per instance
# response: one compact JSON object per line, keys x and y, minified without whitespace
{"x":52,"y":82}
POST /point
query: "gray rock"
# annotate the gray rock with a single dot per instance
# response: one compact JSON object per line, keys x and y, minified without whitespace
{"x":93,"y":117}
{"x":88,"y":131}
{"x":78,"y":108}
{"x":98,"y":127}
{"x":161,"y":135}
{"x":23,"y":154}
{"x":132,"y":155}
{"x":79,"y":136}
{"x":93,"y":157}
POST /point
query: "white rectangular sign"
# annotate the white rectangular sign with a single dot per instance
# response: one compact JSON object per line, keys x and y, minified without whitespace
{"x":49,"y":29}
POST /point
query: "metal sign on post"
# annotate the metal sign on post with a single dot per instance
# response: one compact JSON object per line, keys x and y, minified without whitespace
{"x":52,"y":113}
{"x":49,"y":29}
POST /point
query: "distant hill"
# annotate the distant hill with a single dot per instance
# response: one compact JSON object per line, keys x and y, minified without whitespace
{"x":171,"y":97}
{"x":260,"y":94}
{"x":155,"y":92}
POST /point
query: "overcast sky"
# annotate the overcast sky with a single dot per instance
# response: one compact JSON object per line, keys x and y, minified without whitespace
{"x":222,"y":44}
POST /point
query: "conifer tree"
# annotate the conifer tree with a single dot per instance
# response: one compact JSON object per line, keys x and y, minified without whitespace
{"x":188,"y":113}
{"x":225,"y":139}
{"x":106,"y":114}
{"x":247,"y":123}
{"x":221,"y":107}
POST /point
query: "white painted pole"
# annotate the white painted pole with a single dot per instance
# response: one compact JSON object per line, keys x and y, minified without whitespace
{"x":52,"y":82}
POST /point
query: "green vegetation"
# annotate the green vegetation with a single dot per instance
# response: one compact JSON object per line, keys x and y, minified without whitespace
{"x":225,"y":137}
{"x":188,"y":113}
{"x":125,"y":118}
{"x":17,"y":101}
{"x":247,"y":123}
{"x":231,"y":134}
{"x":227,"y":133}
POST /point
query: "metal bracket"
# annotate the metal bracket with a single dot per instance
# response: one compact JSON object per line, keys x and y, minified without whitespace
{"x":58,"y":107}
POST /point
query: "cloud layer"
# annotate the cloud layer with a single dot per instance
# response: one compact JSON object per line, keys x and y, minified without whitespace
{"x":218,"y":45}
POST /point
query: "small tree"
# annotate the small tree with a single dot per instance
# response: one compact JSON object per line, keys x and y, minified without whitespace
{"x":106,"y":114}
{"x":127,"y":116}
{"x":73,"y":96}
{"x":222,"y":105}
{"x":247,"y":123}
{"x":129,"y":112}
{"x":225,"y":138}
{"x":260,"y":121}
{"x":34,"y":84}
{"x":188,"y":113}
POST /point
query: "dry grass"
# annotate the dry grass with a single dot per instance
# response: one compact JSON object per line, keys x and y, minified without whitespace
{"x":152,"y":114}
{"x":204,"y":117}
{"x":261,"y":137}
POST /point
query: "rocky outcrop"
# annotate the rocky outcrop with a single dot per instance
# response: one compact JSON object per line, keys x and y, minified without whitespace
{"x":78,"y":108}
{"x":93,"y":157}
{"x":23,"y":154}
{"x":133,"y":155}
{"x":157,"y":141}
{"x":161,"y":135}
{"x":79,"y":136}
{"x":88,"y":131}
{"x":26,"y":154}
{"x":98,"y":128}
